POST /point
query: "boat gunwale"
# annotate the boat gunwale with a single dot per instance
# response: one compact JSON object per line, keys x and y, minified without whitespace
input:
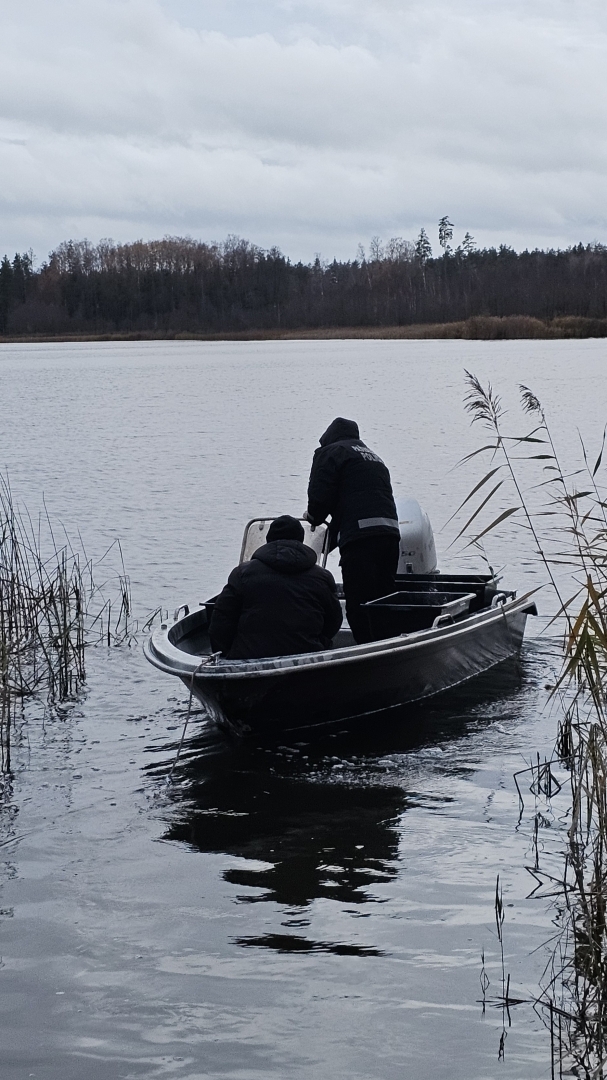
{"x":170,"y":658}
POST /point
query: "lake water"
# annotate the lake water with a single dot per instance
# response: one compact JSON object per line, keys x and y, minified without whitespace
{"x":304,"y":910}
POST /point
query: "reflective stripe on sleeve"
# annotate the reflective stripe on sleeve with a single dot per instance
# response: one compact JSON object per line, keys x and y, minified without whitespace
{"x":370,"y":523}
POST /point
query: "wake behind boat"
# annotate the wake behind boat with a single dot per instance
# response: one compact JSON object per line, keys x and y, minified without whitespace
{"x":434,"y":632}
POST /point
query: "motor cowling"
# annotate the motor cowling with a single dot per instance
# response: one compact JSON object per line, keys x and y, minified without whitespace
{"x":417,"y":553}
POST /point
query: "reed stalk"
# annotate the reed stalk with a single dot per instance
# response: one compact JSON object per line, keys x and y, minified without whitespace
{"x":50,"y":611}
{"x":568,"y":528}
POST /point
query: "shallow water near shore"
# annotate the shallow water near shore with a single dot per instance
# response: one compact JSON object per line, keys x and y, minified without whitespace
{"x":295,"y":910}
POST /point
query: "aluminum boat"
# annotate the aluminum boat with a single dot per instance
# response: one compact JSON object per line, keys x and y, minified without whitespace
{"x":435,"y":631}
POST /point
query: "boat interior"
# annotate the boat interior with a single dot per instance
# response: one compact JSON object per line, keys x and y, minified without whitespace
{"x":419,"y":601}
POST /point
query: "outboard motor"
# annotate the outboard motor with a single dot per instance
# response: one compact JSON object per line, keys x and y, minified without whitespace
{"x":417,"y":550}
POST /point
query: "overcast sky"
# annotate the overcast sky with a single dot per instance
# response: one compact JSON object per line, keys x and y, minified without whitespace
{"x":310,"y":124}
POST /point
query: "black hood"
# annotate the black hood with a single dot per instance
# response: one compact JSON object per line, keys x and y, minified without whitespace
{"x":286,"y":556}
{"x":340,"y":429}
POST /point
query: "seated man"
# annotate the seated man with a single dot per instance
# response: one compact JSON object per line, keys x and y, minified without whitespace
{"x":279,"y":603}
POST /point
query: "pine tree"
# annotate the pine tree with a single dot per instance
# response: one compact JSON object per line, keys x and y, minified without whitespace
{"x":445,"y":233}
{"x":468,"y":244}
{"x":423,"y":248}
{"x":6,"y":292}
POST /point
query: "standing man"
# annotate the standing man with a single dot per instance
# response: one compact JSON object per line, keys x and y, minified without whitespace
{"x":352,"y":484}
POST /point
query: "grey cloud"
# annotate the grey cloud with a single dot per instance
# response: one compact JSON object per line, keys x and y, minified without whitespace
{"x":117,"y":116}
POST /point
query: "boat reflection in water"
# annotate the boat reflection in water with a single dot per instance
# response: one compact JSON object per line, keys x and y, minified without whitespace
{"x":319,"y":820}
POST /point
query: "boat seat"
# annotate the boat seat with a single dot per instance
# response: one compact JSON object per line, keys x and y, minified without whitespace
{"x":256,"y":531}
{"x":344,"y":638}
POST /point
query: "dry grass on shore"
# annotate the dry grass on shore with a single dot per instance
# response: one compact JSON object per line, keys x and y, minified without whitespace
{"x":477,"y":328}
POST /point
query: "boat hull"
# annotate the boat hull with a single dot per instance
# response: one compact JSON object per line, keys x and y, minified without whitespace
{"x":355,"y":682}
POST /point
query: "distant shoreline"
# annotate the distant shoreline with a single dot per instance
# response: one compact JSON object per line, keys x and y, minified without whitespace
{"x":477,"y":328}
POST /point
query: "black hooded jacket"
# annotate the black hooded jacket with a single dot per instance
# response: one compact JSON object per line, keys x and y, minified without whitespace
{"x":352,"y":484}
{"x":277,"y":604}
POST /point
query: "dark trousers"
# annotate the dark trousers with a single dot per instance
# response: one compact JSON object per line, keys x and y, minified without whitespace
{"x":368,"y":569}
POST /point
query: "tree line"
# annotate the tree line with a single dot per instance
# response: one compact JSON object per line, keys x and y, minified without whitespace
{"x":180,"y":285}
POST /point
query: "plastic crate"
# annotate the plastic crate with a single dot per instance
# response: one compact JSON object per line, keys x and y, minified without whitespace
{"x":406,"y":612}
